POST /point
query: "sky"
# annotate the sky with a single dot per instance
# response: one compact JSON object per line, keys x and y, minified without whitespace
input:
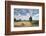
{"x":24,"y":14}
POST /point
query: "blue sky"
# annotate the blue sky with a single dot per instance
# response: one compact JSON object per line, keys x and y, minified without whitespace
{"x":24,"y":14}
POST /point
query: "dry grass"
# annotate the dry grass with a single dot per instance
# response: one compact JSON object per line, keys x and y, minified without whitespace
{"x":21,"y":24}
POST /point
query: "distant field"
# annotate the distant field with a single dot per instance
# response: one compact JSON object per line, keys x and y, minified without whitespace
{"x":26,"y":23}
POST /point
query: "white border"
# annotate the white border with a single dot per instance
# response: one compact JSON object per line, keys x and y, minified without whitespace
{"x":25,"y":28}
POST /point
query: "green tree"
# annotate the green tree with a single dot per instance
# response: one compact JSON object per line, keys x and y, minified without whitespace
{"x":14,"y":19}
{"x":30,"y":18}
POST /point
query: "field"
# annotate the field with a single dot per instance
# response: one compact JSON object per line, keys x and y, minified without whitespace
{"x":35,"y":23}
{"x":21,"y":24}
{"x":26,"y":23}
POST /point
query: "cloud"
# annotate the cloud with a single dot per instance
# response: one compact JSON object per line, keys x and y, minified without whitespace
{"x":35,"y":17}
{"x":22,"y":17}
{"x":35,"y":14}
{"x":24,"y":14}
